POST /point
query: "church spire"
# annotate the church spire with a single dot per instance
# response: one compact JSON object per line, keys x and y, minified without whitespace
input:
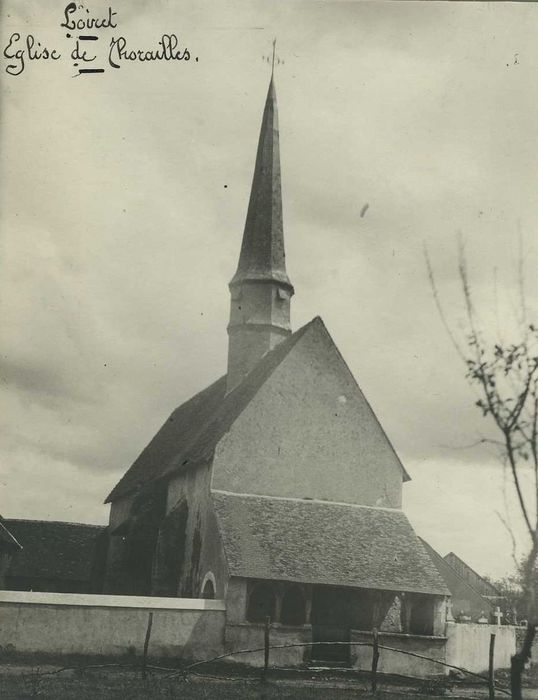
{"x":262,"y":252}
{"x":260,"y":289}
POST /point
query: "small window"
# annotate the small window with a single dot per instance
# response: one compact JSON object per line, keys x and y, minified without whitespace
{"x":236,"y":293}
{"x":261,"y":603}
{"x":208,"y":592}
{"x":282,"y":294}
{"x":293,"y":607}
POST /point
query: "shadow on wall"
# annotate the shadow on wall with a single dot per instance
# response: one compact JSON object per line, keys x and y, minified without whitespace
{"x":111,"y":626}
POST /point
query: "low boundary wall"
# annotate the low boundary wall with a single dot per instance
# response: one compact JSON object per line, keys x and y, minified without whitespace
{"x":194,"y":629}
{"x":103,"y":625}
{"x":396,"y":662}
{"x":468,"y":645}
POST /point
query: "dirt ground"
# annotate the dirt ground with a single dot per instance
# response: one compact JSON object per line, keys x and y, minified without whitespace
{"x":19,"y":682}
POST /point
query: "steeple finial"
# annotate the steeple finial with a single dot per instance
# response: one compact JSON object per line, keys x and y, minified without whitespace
{"x":273,"y":58}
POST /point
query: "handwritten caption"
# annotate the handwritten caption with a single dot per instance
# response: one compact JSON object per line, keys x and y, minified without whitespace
{"x":79,"y":22}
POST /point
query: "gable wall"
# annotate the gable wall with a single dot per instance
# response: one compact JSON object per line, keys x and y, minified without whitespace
{"x":309,"y":433}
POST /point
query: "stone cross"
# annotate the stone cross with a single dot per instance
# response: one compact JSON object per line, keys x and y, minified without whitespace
{"x":497,"y":615}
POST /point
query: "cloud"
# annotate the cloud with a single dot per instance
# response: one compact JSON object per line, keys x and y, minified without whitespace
{"x":120,"y":237}
{"x":40,"y":381}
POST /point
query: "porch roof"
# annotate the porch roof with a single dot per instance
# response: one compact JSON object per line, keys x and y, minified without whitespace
{"x":321,"y":542}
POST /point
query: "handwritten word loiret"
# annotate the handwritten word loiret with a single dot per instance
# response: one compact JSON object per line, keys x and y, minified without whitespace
{"x":86,"y":22}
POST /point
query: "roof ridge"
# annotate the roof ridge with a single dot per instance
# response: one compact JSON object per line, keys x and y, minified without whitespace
{"x":121,"y":487}
{"x":306,"y":500}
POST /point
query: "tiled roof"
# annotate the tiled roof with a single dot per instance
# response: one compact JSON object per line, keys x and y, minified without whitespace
{"x":51,"y":549}
{"x":190,"y":435}
{"x":7,"y":541}
{"x":323,"y":543}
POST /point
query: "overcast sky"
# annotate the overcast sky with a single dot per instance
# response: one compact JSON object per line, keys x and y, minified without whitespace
{"x":123,"y":200}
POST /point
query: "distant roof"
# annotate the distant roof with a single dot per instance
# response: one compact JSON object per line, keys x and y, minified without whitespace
{"x":6,"y":537}
{"x":190,"y":435}
{"x":324,"y":543}
{"x":52,"y":549}
{"x":458,"y":585}
{"x":469,"y":573}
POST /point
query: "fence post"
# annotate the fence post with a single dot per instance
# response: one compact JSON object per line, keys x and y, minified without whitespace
{"x":146,"y":645}
{"x":491,"y":668}
{"x":266,"y":648}
{"x":375,"y":659}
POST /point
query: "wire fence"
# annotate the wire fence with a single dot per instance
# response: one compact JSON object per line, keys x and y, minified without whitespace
{"x":374,"y":676}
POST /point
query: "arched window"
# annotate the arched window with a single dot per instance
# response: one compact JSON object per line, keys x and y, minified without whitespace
{"x":293,"y":606}
{"x":209,"y":590}
{"x":171,"y":551}
{"x":261,"y":602}
{"x":208,"y":587}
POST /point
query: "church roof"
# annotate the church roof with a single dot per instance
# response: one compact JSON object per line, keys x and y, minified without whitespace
{"x":7,"y":540}
{"x":191,"y":433}
{"x":320,"y":542}
{"x":262,"y":252}
{"x":53,"y":550}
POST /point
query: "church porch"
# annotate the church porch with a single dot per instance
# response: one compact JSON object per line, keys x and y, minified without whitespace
{"x":315,"y":615}
{"x":323,"y":571}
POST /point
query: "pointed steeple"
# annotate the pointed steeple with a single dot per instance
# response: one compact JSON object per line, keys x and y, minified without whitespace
{"x":260,"y":289}
{"x":262,"y":252}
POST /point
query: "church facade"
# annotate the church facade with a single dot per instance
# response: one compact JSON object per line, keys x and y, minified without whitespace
{"x":276,"y":488}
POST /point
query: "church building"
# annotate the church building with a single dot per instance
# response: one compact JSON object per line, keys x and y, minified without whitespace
{"x":275,"y":488}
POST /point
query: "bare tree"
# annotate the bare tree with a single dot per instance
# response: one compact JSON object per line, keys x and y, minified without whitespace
{"x":506,"y":376}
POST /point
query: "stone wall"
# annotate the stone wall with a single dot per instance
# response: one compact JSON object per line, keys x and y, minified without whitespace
{"x":197,"y":552}
{"x":203,"y":551}
{"x":110,"y":626}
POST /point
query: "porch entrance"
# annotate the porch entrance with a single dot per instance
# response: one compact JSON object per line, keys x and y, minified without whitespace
{"x":330,"y":618}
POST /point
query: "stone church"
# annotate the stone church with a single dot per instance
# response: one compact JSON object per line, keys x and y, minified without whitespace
{"x":275,"y":488}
